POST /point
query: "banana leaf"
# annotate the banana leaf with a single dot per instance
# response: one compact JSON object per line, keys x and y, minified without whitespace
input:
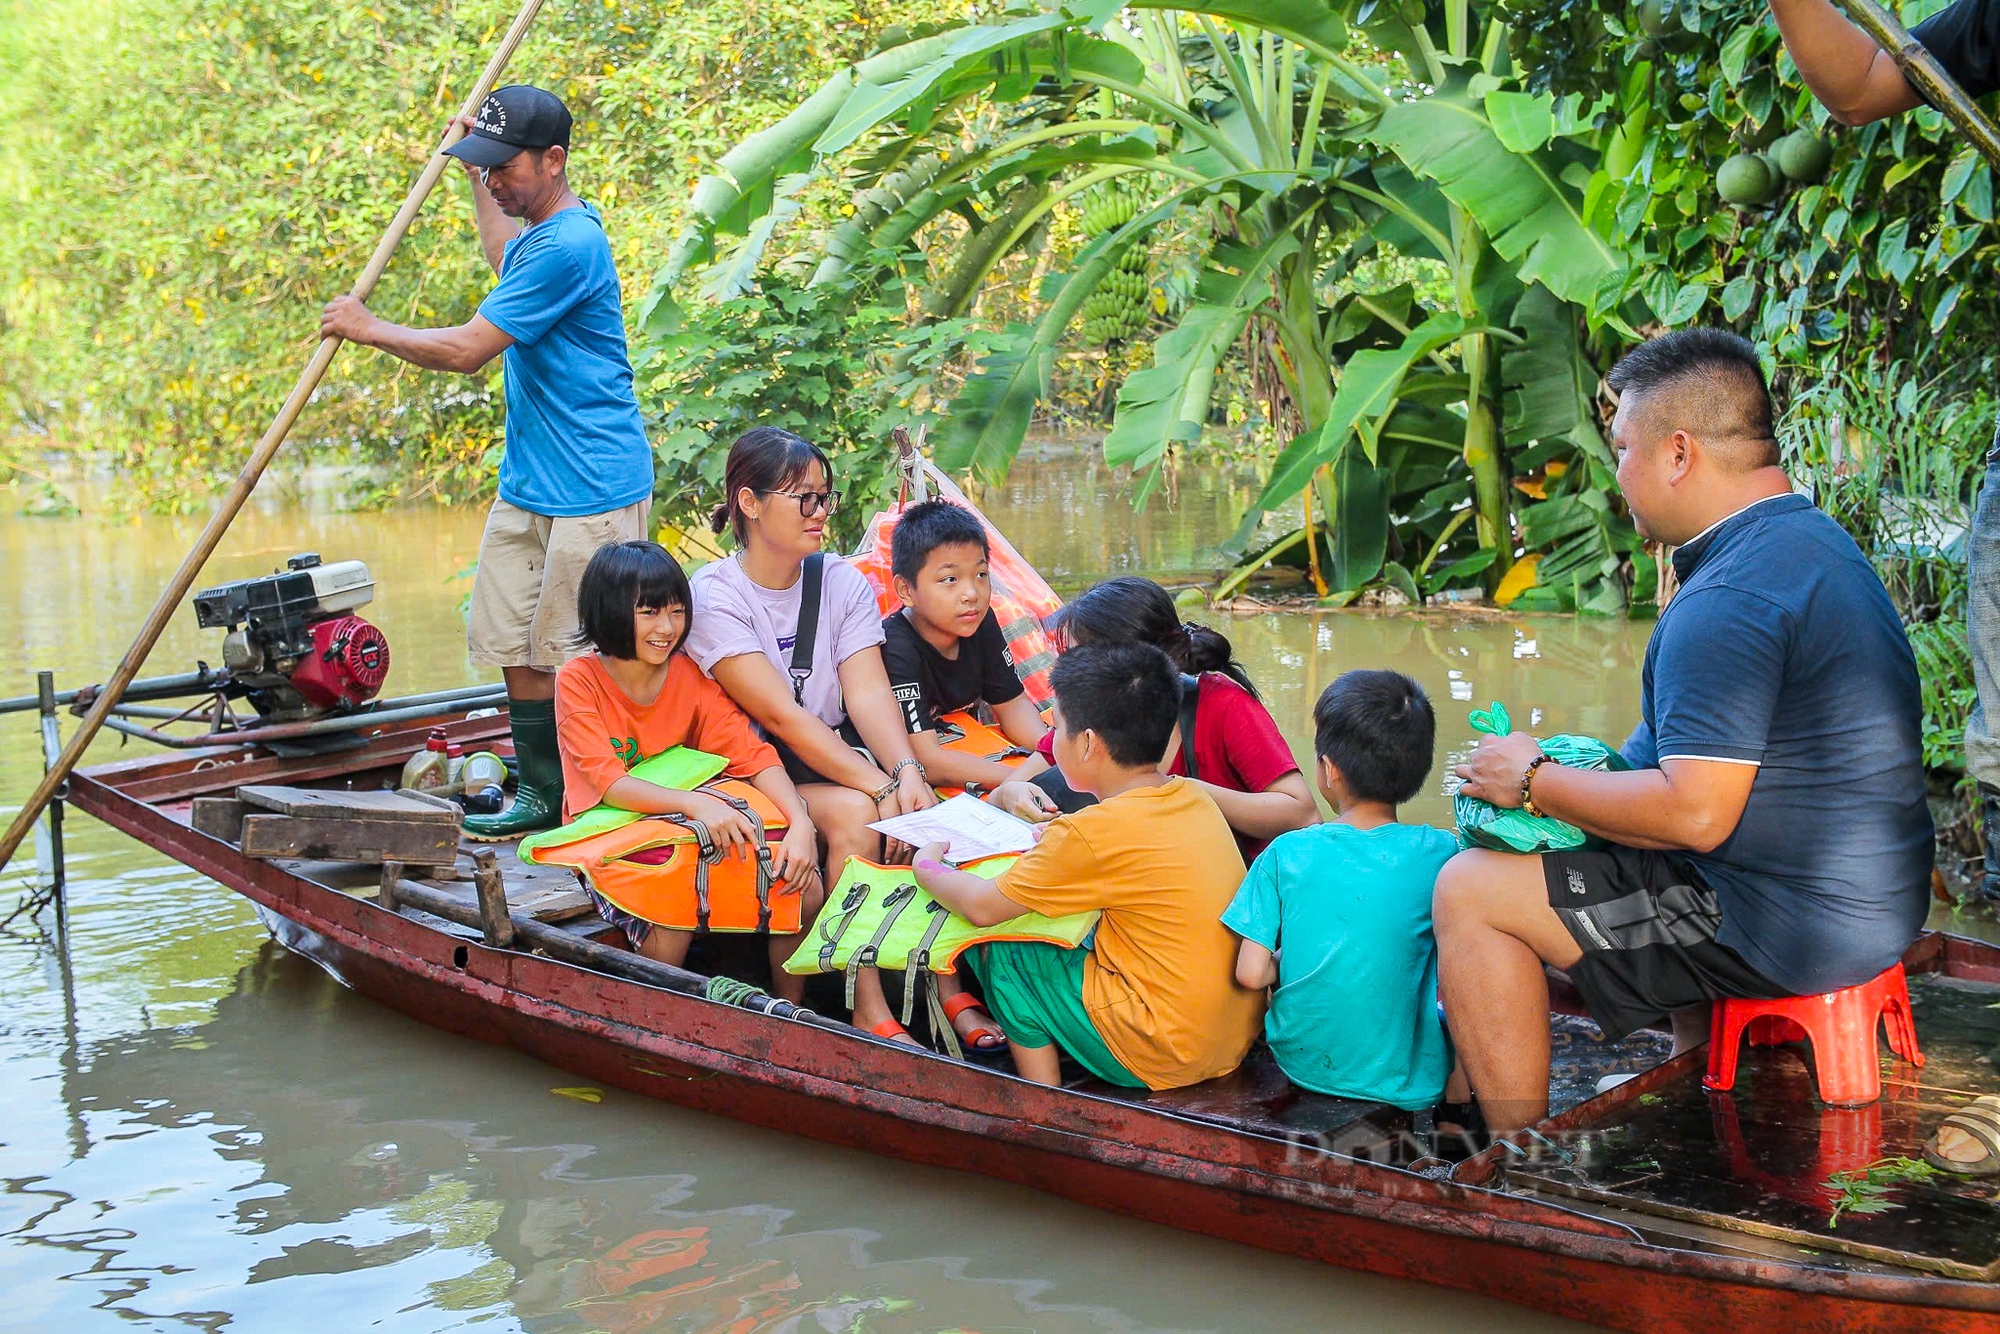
{"x":1515,"y":197}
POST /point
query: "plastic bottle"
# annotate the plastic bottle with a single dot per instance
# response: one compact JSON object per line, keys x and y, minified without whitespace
{"x":483,"y":769}
{"x":480,"y":780}
{"x":427,"y":768}
{"x":454,"y":763}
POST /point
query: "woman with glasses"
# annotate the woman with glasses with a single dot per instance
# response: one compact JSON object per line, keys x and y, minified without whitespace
{"x":749,"y":613}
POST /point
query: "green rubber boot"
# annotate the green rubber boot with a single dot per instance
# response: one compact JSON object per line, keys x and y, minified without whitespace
{"x":538,"y":780}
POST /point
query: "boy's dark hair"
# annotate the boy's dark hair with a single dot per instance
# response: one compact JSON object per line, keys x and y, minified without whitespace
{"x":1129,"y":694}
{"x":1132,"y":610}
{"x":1378,"y":729}
{"x":926,"y":527}
{"x":1731,"y":400}
{"x":620,"y":579}
{"x":764,"y":458}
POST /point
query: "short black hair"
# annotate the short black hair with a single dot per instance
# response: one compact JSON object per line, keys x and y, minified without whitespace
{"x":620,"y":579}
{"x":1129,"y":694}
{"x":1727,"y":380}
{"x":924,"y":528}
{"x":1378,"y":729}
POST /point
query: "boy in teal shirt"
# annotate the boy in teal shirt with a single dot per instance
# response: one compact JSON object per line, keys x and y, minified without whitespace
{"x":1338,"y":916}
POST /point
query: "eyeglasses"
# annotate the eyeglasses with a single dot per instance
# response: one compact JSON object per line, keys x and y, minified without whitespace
{"x":811,"y":502}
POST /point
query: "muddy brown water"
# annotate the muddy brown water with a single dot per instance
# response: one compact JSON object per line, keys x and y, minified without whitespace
{"x":199,"y":1130}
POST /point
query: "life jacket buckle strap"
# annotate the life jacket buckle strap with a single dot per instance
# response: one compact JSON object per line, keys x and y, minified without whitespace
{"x":920,"y":957}
{"x":831,"y":929}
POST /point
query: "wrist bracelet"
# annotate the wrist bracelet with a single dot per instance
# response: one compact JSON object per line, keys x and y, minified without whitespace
{"x":1527,"y":780}
{"x":885,"y":792}
{"x":896,"y":773}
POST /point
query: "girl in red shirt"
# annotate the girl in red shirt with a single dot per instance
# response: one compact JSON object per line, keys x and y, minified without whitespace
{"x":1241,"y":757}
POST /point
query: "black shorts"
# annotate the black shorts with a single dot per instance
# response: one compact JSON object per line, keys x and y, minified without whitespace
{"x":802,"y":773}
{"x":1646,"y":924}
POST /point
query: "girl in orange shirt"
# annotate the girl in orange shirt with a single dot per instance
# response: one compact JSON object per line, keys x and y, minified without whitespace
{"x":637,"y":696}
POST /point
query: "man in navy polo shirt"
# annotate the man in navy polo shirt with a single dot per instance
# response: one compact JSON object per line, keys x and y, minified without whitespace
{"x":577,"y":472}
{"x":1858,"y":83}
{"x":1771,"y":838}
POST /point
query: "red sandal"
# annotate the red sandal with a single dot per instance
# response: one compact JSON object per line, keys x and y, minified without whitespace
{"x":893,"y":1031}
{"x":984,"y":1038}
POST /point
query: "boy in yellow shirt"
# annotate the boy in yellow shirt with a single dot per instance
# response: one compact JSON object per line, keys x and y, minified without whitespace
{"x":1153,"y":1002}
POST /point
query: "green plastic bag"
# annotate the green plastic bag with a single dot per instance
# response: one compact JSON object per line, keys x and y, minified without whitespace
{"x":1482,"y":824}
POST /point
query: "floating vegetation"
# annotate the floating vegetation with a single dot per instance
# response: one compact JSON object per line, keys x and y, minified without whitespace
{"x":1867,"y":1191}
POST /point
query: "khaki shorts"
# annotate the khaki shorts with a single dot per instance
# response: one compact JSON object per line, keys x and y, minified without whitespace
{"x":524,"y":595}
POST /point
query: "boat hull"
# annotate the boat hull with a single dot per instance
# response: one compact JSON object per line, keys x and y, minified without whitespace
{"x":1126,"y":1158}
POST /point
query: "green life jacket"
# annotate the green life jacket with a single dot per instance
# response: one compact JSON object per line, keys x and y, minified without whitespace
{"x":878,"y":917}
{"x":681,"y":768}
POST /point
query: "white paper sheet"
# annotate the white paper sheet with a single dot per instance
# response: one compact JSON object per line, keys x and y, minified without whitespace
{"x":968,"y":827}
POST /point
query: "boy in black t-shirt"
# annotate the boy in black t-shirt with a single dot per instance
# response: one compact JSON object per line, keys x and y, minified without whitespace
{"x":944,"y":650}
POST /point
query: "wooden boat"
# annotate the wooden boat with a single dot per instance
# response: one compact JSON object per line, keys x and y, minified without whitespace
{"x":1652,"y":1207}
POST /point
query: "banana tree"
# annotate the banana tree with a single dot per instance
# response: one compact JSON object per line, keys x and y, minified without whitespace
{"x":1298,"y":151}
{"x":1459,"y":169}
{"x":1173,"y":108}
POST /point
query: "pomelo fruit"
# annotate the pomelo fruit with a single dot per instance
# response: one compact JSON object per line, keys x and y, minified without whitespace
{"x":1803,"y":156}
{"x":1746,"y":181}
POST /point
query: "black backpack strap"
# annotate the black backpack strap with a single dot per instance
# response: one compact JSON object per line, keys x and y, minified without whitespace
{"x":808,"y":636}
{"x":1190,"y":702}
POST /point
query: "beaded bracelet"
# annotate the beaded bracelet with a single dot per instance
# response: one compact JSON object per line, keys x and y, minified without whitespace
{"x":1528,"y":778}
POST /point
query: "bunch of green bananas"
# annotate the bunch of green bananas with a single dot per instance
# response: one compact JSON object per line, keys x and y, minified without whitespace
{"x":1122,"y":303}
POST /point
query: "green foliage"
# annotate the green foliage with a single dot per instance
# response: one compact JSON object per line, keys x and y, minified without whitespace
{"x":1877,"y":261}
{"x":183,"y":184}
{"x":782,"y":355}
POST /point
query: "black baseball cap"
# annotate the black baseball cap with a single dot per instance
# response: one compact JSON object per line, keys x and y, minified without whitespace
{"x":510,"y":119}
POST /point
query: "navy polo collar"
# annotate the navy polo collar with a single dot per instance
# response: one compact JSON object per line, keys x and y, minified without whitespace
{"x":1690,"y":554}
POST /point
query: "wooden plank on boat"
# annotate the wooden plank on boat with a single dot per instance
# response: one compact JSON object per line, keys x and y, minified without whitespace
{"x":218,"y":817}
{"x":335,"y":804}
{"x":347,"y":839}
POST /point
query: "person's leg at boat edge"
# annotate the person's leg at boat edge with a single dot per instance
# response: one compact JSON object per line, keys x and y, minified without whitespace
{"x":523,"y":621}
{"x":1035,"y":990}
{"x":1982,"y":615}
{"x":1494,"y":929}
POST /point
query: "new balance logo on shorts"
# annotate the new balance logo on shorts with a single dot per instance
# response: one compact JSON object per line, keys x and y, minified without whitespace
{"x":1576,"y":885}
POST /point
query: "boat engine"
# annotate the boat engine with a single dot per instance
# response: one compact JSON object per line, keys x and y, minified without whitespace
{"x":295,"y":649}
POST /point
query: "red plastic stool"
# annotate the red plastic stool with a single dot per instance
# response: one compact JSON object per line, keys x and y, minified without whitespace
{"x":1840,"y":1026}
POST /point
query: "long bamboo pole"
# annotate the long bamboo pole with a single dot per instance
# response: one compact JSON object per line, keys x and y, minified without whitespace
{"x":260,"y":458}
{"x":1928,"y":77}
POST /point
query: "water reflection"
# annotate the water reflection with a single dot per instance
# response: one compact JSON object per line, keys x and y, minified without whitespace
{"x":303,"y":1149}
{"x":200,"y":1130}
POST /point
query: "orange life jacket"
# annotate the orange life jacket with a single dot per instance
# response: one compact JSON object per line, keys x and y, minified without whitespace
{"x":961,"y":732}
{"x":667,"y":870}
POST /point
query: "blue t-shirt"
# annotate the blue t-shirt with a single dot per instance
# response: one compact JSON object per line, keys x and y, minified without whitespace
{"x":1781,"y":650}
{"x":575,"y":443}
{"x":1355,"y":1010}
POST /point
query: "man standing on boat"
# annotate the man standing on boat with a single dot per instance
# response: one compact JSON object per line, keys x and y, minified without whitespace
{"x":1857,"y":82}
{"x":1771,"y":836}
{"x":578,"y":471}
